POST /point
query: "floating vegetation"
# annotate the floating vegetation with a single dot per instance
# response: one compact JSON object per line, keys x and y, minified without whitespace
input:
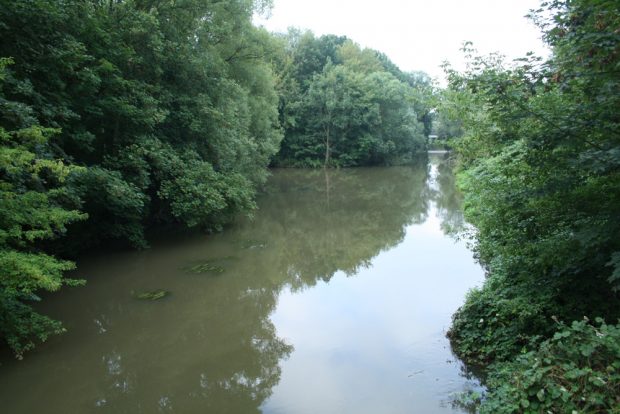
{"x":214,"y":266}
{"x":151,"y":295}
{"x":205,"y":268}
{"x":253,"y":244}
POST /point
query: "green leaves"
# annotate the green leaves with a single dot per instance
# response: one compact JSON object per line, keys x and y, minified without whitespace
{"x":116,"y":208}
{"x":614,"y":279}
{"x":199,"y":196}
{"x":31,"y":188}
{"x":348,"y":106}
{"x":572,"y":372}
{"x":539,"y":169}
{"x":25,"y":273}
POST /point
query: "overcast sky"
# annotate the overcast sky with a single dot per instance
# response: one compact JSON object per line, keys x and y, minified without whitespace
{"x":416,"y":34}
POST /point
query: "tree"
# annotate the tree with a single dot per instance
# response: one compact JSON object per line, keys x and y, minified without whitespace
{"x":336,"y":108}
{"x":32,"y":191}
{"x":346,"y":106}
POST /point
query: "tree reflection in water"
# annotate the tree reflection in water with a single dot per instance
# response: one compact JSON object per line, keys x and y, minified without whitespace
{"x":210,"y":346}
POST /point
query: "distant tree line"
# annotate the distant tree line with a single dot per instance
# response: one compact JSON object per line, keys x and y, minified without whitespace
{"x":341,"y":105}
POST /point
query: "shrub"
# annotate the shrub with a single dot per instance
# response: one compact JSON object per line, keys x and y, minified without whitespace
{"x":576,"y":371}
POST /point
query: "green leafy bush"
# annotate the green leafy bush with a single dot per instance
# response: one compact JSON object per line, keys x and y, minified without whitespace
{"x":495,"y":324}
{"x":576,"y":371}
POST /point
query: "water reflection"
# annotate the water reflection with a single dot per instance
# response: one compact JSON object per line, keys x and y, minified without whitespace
{"x":212,"y":345}
{"x":320,"y":222}
{"x":448,"y":200}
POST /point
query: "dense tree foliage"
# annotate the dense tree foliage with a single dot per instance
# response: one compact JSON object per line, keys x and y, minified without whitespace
{"x":150,"y":95}
{"x":133,"y":112}
{"x":445,"y":126}
{"x":541,"y":174}
{"x":32,"y":187}
{"x":344,"y":106}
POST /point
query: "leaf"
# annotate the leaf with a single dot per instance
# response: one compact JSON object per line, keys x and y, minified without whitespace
{"x":615,"y":275}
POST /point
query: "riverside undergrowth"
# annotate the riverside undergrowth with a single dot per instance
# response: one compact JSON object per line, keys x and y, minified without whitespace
{"x":540,"y":171}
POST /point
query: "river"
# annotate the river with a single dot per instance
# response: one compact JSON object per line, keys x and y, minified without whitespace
{"x":334,"y":298}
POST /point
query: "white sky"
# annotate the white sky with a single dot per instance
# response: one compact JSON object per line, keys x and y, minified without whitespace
{"x":417,"y":34}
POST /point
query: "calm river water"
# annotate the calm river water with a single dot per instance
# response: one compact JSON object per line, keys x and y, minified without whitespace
{"x":334,"y":298}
